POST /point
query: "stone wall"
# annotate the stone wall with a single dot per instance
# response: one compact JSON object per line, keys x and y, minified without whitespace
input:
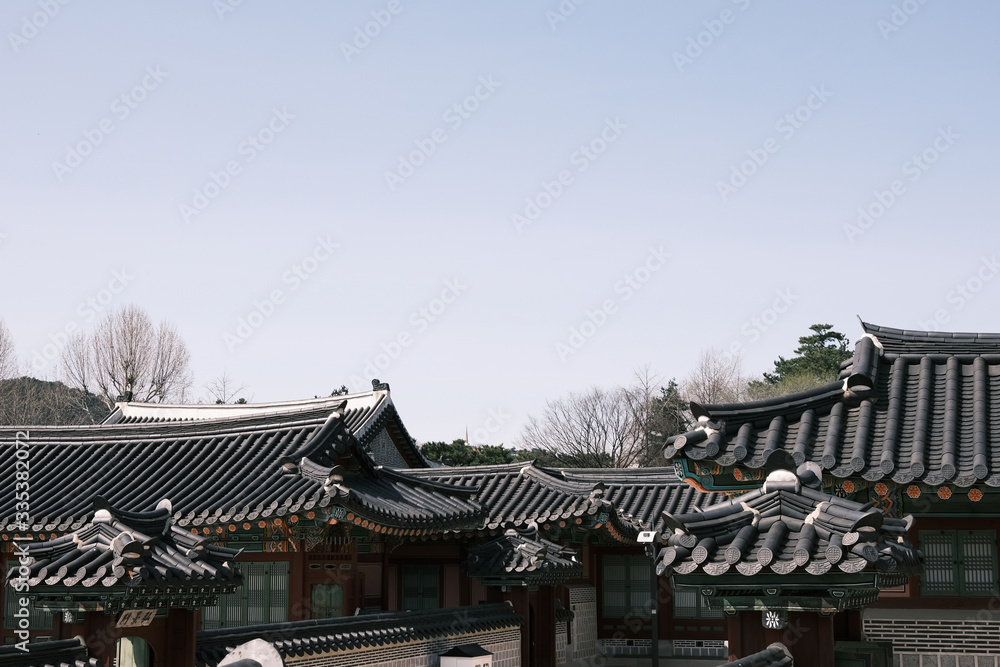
{"x":583,"y":603}
{"x":941,"y":638}
{"x":560,"y":644}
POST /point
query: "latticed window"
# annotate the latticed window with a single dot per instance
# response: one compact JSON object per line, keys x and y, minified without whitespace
{"x":690,"y":603}
{"x":959,"y":562}
{"x":625,"y":586}
{"x":263,"y":598}
{"x":421,"y":587}
{"x":327,"y":601}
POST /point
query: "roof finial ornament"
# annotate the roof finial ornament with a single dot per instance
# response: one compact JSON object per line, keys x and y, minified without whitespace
{"x":378,"y":385}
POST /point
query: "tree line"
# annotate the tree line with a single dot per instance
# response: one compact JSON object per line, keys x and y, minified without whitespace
{"x":127,"y":356}
{"x":625,"y":427}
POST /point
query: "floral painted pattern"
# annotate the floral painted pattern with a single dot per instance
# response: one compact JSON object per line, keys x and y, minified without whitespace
{"x":944,"y":493}
{"x":975,"y":495}
{"x":848,"y":486}
{"x":913,"y":491}
{"x":881,"y":488}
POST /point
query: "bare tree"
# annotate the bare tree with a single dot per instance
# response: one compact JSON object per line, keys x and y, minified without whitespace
{"x":223,"y":389}
{"x":127,"y":355}
{"x":717,"y":378}
{"x":8,"y":356}
{"x":593,"y":430}
{"x":616,"y":428}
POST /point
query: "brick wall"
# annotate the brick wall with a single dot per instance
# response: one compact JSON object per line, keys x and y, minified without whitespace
{"x":560,"y":644}
{"x":961,"y":641}
{"x":504,"y":644}
{"x":583,"y":603}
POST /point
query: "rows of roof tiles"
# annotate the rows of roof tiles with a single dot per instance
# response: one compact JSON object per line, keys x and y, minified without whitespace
{"x":929,"y":418}
{"x":524,"y":557}
{"x":365,"y":415}
{"x":59,"y":653}
{"x":303,"y":638}
{"x":393,"y":499}
{"x":518,"y":494}
{"x":908,"y":342}
{"x":212,"y":472}
{"x":143,"y":552}
{"x":787,"y":525}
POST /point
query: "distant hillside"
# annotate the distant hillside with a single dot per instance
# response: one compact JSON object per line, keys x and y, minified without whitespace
{"x":31,"y":402}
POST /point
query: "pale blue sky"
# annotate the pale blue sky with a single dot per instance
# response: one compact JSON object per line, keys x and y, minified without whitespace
{"x":673,"y":130}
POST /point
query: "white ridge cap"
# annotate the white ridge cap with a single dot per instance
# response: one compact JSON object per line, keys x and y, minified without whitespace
{"x":173,"y":411}
{"x":875,"y":340}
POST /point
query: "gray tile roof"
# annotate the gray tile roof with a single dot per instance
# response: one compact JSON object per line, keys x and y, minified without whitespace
{"x":521,"y":557}
{"x":309,"y":638}
{"x":519,"y":494}
{"x":213,"y":471}
{"x":136,"y":560}
{"x":60,"y":653}
{"x":788,"y":526}
{"x":775,"y":655}
{"x":221,"y":468}
{"x":908,"y":407}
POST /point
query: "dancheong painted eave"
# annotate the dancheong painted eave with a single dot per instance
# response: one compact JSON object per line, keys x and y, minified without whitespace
{"x":908,"y":406}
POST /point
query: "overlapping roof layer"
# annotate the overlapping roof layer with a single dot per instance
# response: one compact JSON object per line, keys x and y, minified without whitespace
{"x":125,"y":560}
{"x":59,"y":653}
{"x":909,"y":406}
{"x":309,"y":638}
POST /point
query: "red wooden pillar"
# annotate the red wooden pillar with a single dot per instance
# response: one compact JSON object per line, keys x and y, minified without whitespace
{"x":518,"y":597}
{"x":545,"y":626}
{"x":178,"y":649}
{"x":100,"y":634}
{"x":298,"y":605}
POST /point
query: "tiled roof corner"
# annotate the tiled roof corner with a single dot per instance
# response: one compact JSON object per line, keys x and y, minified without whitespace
{"x":788,"y":526}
